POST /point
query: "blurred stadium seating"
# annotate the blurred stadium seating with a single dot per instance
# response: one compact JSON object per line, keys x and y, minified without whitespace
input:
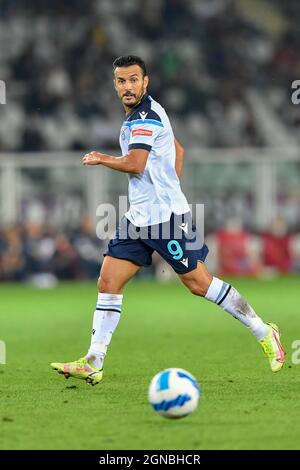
{"x":222,"y":69}
{"x":206,"y":59}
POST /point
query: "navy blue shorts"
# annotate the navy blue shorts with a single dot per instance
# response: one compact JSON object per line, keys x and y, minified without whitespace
{"x":176,"y":241}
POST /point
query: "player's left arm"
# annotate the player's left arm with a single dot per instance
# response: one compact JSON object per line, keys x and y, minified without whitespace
{"x":134,"y":162}
{"x":179,"y":157}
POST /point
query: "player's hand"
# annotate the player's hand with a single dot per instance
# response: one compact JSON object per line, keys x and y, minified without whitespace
{"x":92,"y":158}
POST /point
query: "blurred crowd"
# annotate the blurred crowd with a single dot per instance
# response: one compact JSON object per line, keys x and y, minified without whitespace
{"x":35,"y":252}
{"x":238,"y":252}
{"x":44,"y":256}
{"x":204,"y":59}
{"x":223,"y":70}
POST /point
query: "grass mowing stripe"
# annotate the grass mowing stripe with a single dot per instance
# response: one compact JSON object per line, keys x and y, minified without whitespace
{"x":243,"y":405}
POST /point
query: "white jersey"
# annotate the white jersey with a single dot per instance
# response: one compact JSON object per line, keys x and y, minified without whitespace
{"x":155,"y":193}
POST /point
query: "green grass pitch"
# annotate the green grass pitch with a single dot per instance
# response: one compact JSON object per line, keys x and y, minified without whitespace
{"x":243,"y":405}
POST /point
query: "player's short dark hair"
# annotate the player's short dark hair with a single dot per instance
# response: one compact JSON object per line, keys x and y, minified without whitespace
{"x":127,"y":60}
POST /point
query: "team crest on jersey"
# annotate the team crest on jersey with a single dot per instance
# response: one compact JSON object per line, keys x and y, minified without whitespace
{"x":122,"y":133}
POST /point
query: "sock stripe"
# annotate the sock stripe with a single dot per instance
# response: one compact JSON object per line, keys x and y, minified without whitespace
{"x":221,"y":292}
{"x":224,"y":296}
{"x":109,"y":309}
{"x":109,"y":305}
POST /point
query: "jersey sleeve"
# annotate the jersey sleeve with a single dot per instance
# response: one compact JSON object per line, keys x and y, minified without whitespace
{"x":144,"y":130}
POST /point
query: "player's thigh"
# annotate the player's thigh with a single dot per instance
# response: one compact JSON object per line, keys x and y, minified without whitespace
{"x":198,"y":280}
{"x":115,"y":273}
{"x":182,"y":247}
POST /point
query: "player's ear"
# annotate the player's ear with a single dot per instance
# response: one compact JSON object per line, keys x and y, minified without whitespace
{"x":146,"y":81}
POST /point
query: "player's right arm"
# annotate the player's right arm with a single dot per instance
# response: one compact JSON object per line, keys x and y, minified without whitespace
{"x":134,"y":162}
{"x":179,"y":157}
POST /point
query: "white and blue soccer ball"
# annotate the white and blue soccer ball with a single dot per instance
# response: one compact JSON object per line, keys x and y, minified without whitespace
{"x":174,"y":393}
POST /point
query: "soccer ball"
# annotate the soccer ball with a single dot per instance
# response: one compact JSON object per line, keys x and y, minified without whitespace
{"x":174,"y":393}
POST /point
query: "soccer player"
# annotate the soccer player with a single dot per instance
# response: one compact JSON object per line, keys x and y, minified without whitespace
{"x":158,"y":219}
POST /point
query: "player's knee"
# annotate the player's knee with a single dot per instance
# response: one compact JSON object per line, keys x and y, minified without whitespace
{"x":99,"y":283}
{"x":104,"y":284}
{"x":199,"y":288}
{"x":108,"y":285}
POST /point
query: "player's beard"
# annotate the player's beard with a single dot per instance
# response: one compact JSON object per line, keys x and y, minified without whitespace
{"x":138,"y":97}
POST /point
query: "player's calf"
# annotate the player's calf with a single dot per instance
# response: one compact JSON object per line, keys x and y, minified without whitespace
{"x":200,"y":282}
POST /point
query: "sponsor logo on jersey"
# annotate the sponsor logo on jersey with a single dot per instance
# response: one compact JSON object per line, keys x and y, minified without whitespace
{"x":143,"y":115}
{"x":143,"y":132}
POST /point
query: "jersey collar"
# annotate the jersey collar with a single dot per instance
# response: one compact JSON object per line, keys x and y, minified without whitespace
{"x":136,"y":107}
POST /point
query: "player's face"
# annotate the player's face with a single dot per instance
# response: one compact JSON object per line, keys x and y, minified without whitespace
{"x":130,"y":85}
